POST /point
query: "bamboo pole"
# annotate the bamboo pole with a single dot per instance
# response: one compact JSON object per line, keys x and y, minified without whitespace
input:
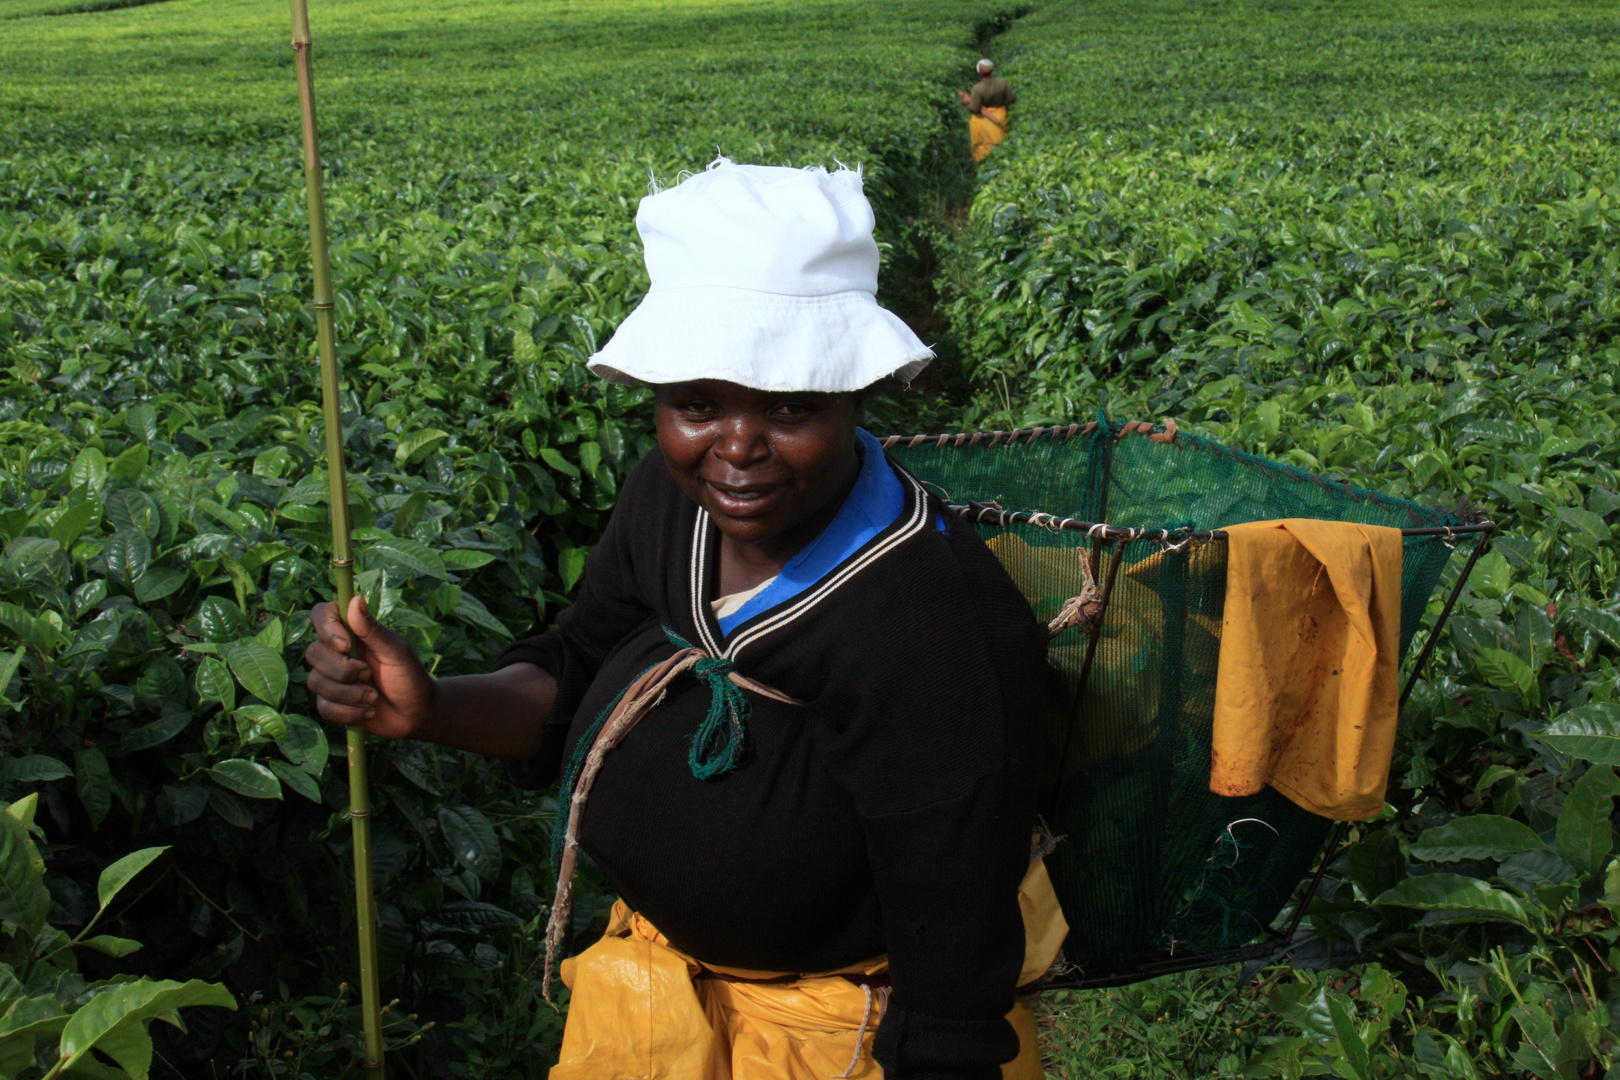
{"x":342,"y":558}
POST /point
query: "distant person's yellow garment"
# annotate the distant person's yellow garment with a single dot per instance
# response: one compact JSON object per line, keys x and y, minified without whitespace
{"x":1306,"y":692}
{"x":988,"y":127}
{"x":640,"y":1008}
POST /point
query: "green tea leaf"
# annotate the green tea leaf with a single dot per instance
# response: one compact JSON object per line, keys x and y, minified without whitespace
{"x":121,"y":873}
{"x":133,"y":510}
{"x":409,"y":514}
{"x":471,"y":839}
{"x":1586,"y":522}
{"x":464,"y":559}
{"x":1454,"y":892}
{"x":89,"y":470}
{"x":94,"y":782}
{"x":1584,"y":835}
{"x":229,"y":808}
{"x":415,"y":556}
{"x":128,"y":553}
{"x":1591,"y":732}
{"x":23,"y":899}
{"x":297,"y":779}
{"x":23,"y":810}
{"x":221,"y":621}
{"x":133,"y":1003}
{"x":214,"y":683}
{"x":156,"y":733}
{"x":131,"y":463}
{"x":259,"y":669}
{"x":571,"y":565}
{"x":33,"y":1015}
{"x":259,"y":722}
{"x":557,"y":461}
{"x":305,"y":744}
{"x":1604,"y":624}
{"x":590,"y":457}
{"x":1530,"y":870}
{"x":418,"y":445}
{"x":131,"y":1046}
{"x":247,"y":778}
{"x":470,"y":608}
{"x":33,"y":767}
{"x":68,"y":527}
{"x":159,"y":582}
{"x":1343,"y":1014}
{"x":1477,"y":836}
{"x":1505,"y":671}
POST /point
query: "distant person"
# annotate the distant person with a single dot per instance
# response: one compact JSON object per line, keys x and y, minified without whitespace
{"x":988,"y":103}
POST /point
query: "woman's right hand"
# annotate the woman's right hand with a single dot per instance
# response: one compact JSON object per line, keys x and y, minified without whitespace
{"x":383,"y":686}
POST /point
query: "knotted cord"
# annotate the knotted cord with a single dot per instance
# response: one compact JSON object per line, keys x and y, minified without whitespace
{"x":716,"y":749}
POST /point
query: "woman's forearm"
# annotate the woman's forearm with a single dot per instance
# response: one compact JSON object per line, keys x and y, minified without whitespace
{"x":500,"y":714}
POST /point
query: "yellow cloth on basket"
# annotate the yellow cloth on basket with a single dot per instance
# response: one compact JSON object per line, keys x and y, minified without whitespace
{"x":643,"y":1010}
{"x":1305,"y":694}
{"x":987,"y":127}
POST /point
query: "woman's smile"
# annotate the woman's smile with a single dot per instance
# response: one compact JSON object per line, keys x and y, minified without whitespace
{"x":748,"y":498}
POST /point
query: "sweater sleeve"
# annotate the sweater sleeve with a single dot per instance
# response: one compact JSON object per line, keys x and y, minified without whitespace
{"x":937,"y":744}
{"x":609,"y":608}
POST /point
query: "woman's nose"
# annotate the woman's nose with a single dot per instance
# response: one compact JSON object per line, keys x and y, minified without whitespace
{"x":742,"y":443}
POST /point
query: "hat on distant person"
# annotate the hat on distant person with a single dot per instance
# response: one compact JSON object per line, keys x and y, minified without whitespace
{"x":765,"y":277}
{"x":986,"y":66}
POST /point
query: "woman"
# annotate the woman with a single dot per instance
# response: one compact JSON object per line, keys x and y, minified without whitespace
{"x":988,"y":103}
{"x":819,"y":819}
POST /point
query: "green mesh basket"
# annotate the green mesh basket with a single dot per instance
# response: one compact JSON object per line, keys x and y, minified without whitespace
{"x":1155,"y":872}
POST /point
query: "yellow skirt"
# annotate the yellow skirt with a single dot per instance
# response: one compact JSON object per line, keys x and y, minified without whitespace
{"x":988,"y":127}
{"x":643,"y":1010}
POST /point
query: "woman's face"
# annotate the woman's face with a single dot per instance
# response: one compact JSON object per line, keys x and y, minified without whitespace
{"x":762,"y":463}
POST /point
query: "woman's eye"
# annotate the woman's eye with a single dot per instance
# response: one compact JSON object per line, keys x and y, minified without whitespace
{"x":791,"y":411}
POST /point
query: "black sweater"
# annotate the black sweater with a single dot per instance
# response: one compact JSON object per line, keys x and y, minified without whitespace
{"x":890,"y":813}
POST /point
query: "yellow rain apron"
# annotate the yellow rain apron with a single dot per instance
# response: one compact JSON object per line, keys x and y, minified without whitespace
{"x":988,"y":127}
{"x":1306,"y":699}
{"x":643,"y":1010}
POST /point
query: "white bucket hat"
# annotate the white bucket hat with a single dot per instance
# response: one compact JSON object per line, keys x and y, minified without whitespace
{"x":765,"y":277}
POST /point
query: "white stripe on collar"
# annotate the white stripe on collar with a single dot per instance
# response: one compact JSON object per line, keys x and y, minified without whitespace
{"x":916,"y":522}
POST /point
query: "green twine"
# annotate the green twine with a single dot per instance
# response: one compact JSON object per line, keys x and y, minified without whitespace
{"x":716,"y":748}
{"x":718,"y":745}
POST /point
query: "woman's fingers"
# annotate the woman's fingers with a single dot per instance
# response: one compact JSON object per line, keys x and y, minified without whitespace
{"x":384,"y":686}
{"x":334,"y":665}
{"x":383,"y":647}
{"x":328,"y":627}
{"x":341,"y":714}
{"x":360,"y":695}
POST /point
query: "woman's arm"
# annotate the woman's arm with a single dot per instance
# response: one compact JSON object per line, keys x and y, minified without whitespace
{"x":386,"y":688}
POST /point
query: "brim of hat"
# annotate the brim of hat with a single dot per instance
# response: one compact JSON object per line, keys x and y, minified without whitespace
{"x":767,"y":341}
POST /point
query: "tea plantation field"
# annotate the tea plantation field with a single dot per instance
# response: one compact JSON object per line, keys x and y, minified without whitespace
{"x":1377,"y":241}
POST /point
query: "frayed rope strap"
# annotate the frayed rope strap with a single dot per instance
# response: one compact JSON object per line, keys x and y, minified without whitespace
{"x":716,"y":749}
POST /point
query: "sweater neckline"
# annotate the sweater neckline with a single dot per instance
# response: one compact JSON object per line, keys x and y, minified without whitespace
{"x":911,"y":519}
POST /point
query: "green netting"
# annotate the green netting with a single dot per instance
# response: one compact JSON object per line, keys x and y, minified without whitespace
{"x":1154,"y":866}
